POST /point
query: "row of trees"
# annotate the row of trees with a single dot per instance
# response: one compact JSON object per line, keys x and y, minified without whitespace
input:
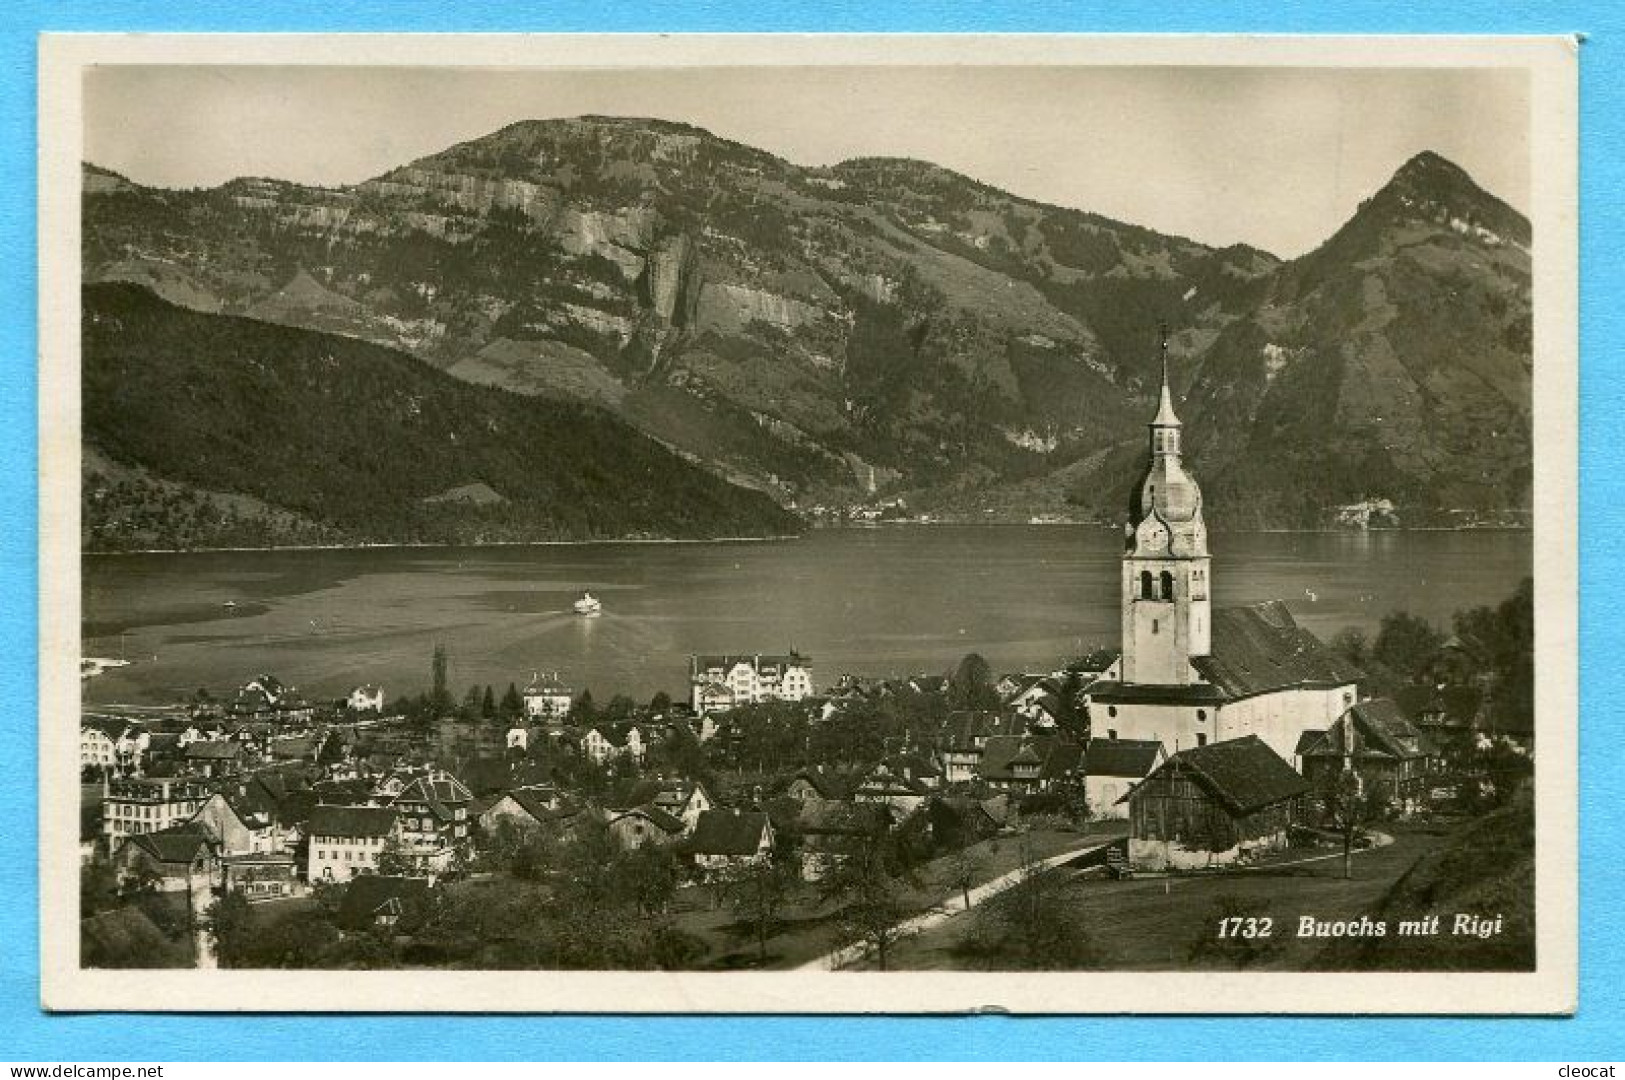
{"x":1406,"y":648}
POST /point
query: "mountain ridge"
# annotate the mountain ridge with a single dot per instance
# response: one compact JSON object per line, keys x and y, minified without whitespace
{"x":886,"y":327}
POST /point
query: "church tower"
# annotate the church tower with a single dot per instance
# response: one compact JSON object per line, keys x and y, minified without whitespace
{"x":1166,"y":588}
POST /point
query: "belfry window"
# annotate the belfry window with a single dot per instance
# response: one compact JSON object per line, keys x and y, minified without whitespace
{"x":1147,"y":589}
{"x":1167,"y":585}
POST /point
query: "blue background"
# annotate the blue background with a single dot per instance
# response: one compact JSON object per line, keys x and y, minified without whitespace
{"x":28,"y":1034}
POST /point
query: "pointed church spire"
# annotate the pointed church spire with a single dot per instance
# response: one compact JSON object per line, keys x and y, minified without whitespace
{"x":1165,"y":408}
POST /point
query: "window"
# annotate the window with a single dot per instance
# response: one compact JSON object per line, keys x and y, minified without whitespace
{"x":1145,"y":585}
{"x":1111,"y":710}
{"x":1167,"y":585}
{"x":1201,"y":714}
{"x":1201,"y":738}
{"x":1154,"y":624}
{"x":1112,"y":734}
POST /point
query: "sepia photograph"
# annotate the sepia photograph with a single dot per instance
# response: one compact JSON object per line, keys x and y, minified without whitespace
{"x":808,"y":524}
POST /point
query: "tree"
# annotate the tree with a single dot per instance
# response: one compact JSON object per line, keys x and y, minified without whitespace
{"x":394,"y":860}
{"x":229,"y":923}
{"x":680,"y":753}
{"x":971,"y":684}
{"x":98,"y":887}
{"x":620,"y":707}
{"x":869,"y":887}
{"x":440,"y":696}
{"x":962,"y":870}
{"x":757,"y":894}
{"x":513,"y":706}
{"x":471,"y":703}
{"x":872,"y":912}
{"x":1352,"y":644}
{"x":660,"y":703}
{"x":583,"y":710}
{"x":646,"y":877}
{"x":1033,"y":924}
{"x":1346,"y":808}
{"x":1405,"y":642}
{"x":488,"y":704}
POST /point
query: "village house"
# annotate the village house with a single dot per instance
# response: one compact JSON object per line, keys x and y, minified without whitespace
{"x":164,"y":753}
{"x":727,"y":839}
{"x":957,"y":821}
{"x":681,"y":799}
{"x":824,"y":833}
{"x":171,"y":860}
{"x":297,"y":748}
{"x":383,"y":902}
{"x":718,"y":683}
{"x":525,"y":808}
{"x":261,"y":876}
{"x":239,"y":819}
{"x":368,"y":698}
{"x":264,"y":698}
{"x":1009,"y":763}
{"x":642,"y":825}
{"x":820,"y":782}
{"x":964,"y":739}
{"x":215,"y":757}
{"x":433,"y":819}
{"x":1377,"y":743}
{"x":346,"y":840}
{"x":1063,"y":764}
{"x":131,"y":807}
{"x":903,"y":794}
{"x":1112,"y":767}
{"x":1213,"y":805}
{"x":547,"y":700}
{"x":929,"y":684}
{"x":111,"y":747}
{"x":604,"y":742}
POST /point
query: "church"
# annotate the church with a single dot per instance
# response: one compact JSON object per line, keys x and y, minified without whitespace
{"x":1189,"y":675}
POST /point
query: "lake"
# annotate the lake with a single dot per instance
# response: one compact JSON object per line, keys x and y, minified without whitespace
{"x":892,"y":600}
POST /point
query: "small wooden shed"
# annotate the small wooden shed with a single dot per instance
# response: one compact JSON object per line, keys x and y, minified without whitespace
{"x":1212,"y":806}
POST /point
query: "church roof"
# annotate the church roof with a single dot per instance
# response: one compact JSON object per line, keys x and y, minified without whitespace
{"x":1261,"y":648}
{"x":1167,"y":490}
{"x":1165,"y":408}
{"x":1110,"y":692}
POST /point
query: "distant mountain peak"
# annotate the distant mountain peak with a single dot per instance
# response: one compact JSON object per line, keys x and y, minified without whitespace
{"x":1433,"y":186}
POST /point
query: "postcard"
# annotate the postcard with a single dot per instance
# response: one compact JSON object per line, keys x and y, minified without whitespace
{"x":806,"y":523}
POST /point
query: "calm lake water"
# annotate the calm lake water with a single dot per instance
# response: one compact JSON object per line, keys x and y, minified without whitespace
{"x":871,"y":601}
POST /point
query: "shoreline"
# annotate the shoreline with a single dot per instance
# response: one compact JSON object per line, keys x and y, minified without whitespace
{"x":781,"y":538}
{"x":431,"y":546}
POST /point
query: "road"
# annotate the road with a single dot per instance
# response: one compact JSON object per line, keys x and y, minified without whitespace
{"x":936,"y":916}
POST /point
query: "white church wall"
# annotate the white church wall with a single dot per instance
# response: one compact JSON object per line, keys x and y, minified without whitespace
{"x":1279,"y":718}
{"x":1176,"y":727}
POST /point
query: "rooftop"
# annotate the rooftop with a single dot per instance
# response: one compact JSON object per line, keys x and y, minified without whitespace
{"x":1244,"y":774}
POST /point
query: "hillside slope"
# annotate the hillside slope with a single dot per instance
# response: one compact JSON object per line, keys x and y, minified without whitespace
{"x":329,"y":439}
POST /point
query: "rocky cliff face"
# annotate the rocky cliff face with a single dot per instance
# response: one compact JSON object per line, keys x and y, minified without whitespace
{"x":778,"y":322}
